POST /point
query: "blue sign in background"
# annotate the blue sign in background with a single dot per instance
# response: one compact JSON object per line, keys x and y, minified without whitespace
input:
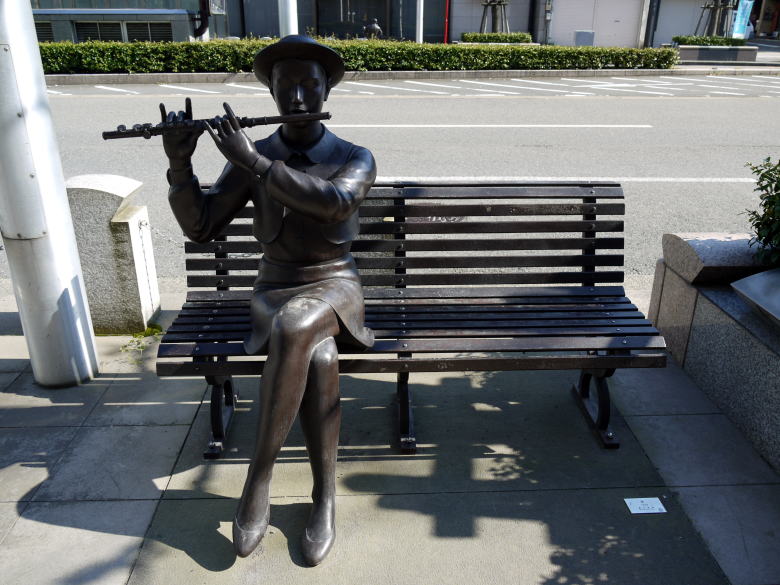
{"x":739,"y":30}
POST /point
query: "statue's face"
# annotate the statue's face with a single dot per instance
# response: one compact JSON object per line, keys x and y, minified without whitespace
{"x":299,"y":86}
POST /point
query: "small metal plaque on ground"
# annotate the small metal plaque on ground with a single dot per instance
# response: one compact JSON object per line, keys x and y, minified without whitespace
{"x":645,"y":505}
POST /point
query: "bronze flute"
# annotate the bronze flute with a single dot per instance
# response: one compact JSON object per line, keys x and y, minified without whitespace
{"x":148,"y":130}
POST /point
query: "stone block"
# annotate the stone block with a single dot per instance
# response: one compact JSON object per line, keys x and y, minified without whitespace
{"x":115,"y":246}
{"x":709,"y":258}
{"x":739,"y":369}
{"x":675,"y":313}
{"x":761,"y":292}
{"x":658,"y":286}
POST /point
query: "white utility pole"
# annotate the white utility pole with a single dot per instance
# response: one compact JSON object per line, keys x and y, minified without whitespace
{"x":35,"y":217}
{"x":288,"y":17}
{"x":418,"y":33}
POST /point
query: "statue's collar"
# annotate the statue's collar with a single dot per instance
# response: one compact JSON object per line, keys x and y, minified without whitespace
{"x":317,"y":152}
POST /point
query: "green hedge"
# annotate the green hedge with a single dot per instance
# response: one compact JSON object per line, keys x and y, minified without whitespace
{"x":472,"y":37}
{"x":711,"y":41}
{"x":375,"y":55}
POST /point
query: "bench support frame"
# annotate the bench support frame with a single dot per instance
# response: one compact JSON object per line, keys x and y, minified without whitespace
{"x":224,"y":397}
{"x":596,"y":407}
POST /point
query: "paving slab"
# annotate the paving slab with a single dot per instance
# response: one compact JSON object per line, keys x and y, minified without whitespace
{"x":9,"y":514}
{"x":14,"y":356}
{"x":105,"y":463}
{"x":496,"y":431}
{"x":740,"y":525}
{"x":74,"y":543}
{"x":6,"y":378}
{"x":27,"y":457}
{"x":26,"y":404}
{"x":657,"y":391}
{"x":576,"y":536}
{"x":698,"y":450}
{"x":145,"y":399}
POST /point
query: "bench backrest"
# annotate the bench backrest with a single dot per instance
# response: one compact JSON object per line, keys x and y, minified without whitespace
{"x":416,"y":234}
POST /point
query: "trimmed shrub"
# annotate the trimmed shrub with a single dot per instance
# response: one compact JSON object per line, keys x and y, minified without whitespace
{"x":519,"y":37}
{"x":710,"y":41}
{"x":372,"y":55}
{"x":766,"y":220}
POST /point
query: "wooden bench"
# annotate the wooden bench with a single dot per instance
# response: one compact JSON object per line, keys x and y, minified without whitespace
{"x":471,"y":277}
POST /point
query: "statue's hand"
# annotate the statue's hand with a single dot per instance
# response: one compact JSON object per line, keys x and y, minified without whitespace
{"x":233,"y":142}
{"x":180,"y":142}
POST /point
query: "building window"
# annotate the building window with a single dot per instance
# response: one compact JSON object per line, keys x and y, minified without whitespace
{"x":44,"y":32}
{"x":98,"y":31}
{"x":149,"y":31}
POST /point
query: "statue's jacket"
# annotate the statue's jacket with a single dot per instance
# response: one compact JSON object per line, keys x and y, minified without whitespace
{"x":305,"y":217}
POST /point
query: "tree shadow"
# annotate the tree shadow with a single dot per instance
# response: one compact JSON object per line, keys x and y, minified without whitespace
{"x":493,"y":448}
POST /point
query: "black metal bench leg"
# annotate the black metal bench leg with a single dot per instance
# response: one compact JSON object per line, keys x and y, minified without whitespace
{"x":405,"y":419}
{"x":596,"y":408}
{"x":224,"y":396}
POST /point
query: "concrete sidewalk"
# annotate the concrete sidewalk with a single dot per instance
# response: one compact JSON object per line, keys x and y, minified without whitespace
{"x":105,"y":483}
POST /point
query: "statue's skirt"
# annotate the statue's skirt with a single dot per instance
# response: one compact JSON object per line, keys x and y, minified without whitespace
{"x":335,"y":282}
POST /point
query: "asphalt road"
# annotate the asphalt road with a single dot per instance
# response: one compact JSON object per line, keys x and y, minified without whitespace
{"x":680,"y":157}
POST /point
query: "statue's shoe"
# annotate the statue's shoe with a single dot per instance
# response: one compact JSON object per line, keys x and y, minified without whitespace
{"x":245,"y":540}
{"x":315,"y":551}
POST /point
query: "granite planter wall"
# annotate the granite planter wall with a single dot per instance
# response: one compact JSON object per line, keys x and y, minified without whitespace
{"x":713,"y":53}
{"x":730,"y":350}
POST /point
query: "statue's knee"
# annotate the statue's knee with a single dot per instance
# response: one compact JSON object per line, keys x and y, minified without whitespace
{"x":326,"y":354}
{"x":292,"y":322}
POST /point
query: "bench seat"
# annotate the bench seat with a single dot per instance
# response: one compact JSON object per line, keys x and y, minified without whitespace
{"x":478,"y":277}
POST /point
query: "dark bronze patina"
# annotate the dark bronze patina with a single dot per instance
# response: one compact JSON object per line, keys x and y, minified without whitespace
{"x":306,"y":185}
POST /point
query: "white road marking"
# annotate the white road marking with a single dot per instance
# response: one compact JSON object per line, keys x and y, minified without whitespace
{"x":394,"y":87}
{"x":509,"y":179}
{"x":433,"y":84}
{"x":117,"y":89}
{"x":490,"y":126}
{"x":540,"y":82}
{"x":188,"y":88}
{"x":258,"y":89}
{"x":636,"y":90}
{"x":718,"y":86}
{"x":57,"y":92}
{"x":644,"y":81}
{"x":523,"y":88}
{"x":340,"y":89}
{"x":773,"y":78}
{"x":727,"y":93}
{"x":770,"y":91}
{"x":367,"y":92}
{"x":742,"y":81}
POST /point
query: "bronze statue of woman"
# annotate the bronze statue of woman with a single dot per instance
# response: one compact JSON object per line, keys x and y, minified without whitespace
{"x":306,"y":185}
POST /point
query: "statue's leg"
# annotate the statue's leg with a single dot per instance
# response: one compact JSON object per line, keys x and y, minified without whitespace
{"x":320,"y":416}
{"x":296,"y":330}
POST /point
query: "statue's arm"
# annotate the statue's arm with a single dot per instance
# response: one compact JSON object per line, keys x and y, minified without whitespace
{"x":203,"y":214}
{"x":326,"y":200}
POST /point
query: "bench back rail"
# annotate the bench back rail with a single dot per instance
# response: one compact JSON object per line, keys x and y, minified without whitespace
{"x":456,"y":277}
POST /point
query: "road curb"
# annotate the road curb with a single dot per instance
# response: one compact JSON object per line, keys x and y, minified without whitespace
{"x":149,"y":78}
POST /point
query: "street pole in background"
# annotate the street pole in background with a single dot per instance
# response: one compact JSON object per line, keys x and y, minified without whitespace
{"x":418,"y":33}
{"x":288,"y":18}
{"x":35,"y":219}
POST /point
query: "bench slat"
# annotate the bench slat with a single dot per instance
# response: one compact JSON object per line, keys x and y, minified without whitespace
{"x":422,"y":262}
{"x":437,"y":345}
{"x":505,"y":294}
{"x":466,"y":227}
{"x":447,"y":364}
{"x":433,"y":330}
{"x":212,"y":281}
{"x":490,"y":209}
{"x":423,"y":245}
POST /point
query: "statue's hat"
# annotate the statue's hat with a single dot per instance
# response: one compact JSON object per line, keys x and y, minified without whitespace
{"x":298,"y":47}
